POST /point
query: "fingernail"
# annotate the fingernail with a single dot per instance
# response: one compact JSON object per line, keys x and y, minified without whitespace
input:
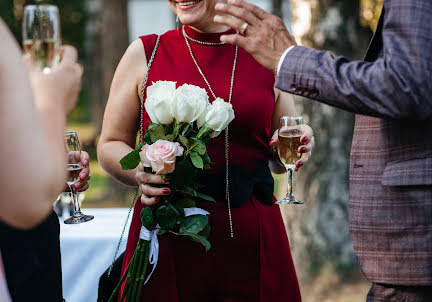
{"x":85,"y":163}
{"x":166,"y":179}
{"x":219,"y":5}
{"x":217,"y":18}
{"x":299,"y":164}
{"x":77,"y":184}
{"x":302,"y":149}
{"x":304,"y":139}
{"x":157,"y":199}
{"x":166,"y":191}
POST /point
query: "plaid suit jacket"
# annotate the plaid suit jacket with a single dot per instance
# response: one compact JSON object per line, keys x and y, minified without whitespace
{"x":391,"y":159}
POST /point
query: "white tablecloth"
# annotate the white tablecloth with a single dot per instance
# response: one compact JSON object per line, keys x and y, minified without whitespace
{"x":88,"y":249}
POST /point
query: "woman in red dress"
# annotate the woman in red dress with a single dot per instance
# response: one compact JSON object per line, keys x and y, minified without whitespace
{"x":250,"y":258}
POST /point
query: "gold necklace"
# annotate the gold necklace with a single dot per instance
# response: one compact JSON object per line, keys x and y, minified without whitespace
{"x":227,"y":195}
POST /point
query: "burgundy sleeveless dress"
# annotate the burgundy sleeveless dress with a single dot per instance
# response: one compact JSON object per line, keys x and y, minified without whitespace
{"x":256,"y":264}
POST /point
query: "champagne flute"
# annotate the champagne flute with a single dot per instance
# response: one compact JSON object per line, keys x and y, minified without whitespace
{"x":290,"y":131}
{"x":41,"y":35}
{"x":74,"y":167}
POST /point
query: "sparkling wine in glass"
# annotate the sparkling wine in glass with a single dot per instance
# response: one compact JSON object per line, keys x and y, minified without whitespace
{"x":290,"y":132}
{"x":74,"y":167}
{"x":41,"y":35}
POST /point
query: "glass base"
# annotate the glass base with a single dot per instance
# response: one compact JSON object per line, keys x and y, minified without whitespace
{"x":78,"y":219}
{"x":289,"y":200}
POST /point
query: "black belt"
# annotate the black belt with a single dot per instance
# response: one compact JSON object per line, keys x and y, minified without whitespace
{"x":242,"y":183}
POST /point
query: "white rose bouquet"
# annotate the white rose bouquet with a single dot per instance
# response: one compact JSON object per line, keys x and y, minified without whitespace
{"x":175,"y":144}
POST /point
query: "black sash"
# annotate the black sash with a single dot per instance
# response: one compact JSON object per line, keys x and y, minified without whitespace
{"x":243,"y":184}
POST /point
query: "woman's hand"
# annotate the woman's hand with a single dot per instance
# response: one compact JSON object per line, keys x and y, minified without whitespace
{"x":150,"y":194}
{"x":84,"y":175}
{"x":308,"y":141}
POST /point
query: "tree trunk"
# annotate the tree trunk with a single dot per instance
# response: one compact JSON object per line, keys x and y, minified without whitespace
{"x":318,"y":230}
{"x":107,"y":41}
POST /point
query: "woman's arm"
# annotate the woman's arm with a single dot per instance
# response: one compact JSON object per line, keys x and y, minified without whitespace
{"x":121,"y":118}
{"x":32,"y":159}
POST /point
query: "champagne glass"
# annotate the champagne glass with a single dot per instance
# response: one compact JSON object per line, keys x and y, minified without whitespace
{"x":290,"y":131}
{"x":41,"y":35}
{"x":74,"y":167}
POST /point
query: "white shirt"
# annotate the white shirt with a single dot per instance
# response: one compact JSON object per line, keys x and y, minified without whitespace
{"x":282,"y":58}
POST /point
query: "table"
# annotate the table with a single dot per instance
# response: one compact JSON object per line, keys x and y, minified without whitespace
{"x":88,"y":249}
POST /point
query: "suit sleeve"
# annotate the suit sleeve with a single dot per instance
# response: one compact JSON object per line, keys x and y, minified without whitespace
{"x":398,"y":85}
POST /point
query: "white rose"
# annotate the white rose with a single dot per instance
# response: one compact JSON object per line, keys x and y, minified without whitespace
{"x":188,"y":103}
{"x":159,"y":100}
{"x":202,"y":118}
{"x":219,"y":115}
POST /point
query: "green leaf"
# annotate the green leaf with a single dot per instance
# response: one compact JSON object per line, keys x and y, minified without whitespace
{"x":198,"y":238}
{"x":166,"y":217}
{"x":187,"y":203}
{"x":193,"y":224}
{"x":198,"y":146}
{"x":180,"y":211}
{"x":184,"y":141}
{"x":131,"y":160}
{"x":204,"y":196}
{"x":192,"y":192}
{"x":197,"y":160}
{"x":147,"y":138}
{"x":156,"y":132}
{"x":206,"y":158}
{"x":183,"y":175}
{"x":168,"y":137}
{"x":205,"y":232}
{"x":147,"y":219}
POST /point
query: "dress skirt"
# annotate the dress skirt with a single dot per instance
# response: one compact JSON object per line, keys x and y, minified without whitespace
{"x":255,"y":265}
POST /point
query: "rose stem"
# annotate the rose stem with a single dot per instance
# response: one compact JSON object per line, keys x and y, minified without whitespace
{"x":135,"y":280}
{"x":127,"y":283}
{"x":134,"y":269}
{"x":129,"y":267}
{"x":141,"y":283}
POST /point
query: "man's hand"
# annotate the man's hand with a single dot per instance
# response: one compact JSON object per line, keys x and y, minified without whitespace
{"x":263,"y":35}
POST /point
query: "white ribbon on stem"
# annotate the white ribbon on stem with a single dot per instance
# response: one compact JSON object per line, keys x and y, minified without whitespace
{"x":151,"y":236}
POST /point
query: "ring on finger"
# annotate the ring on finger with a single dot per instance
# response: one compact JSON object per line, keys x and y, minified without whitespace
{"x":243,"y":28}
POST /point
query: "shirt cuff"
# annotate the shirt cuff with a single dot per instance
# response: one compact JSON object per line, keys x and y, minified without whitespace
{"x":282,"y":58}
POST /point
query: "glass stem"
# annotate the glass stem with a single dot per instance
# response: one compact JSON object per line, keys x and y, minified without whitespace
{"x":73,"y":192}
{"x":290,"y":184}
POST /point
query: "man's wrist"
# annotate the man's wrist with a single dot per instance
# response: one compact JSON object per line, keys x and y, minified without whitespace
{"x":282,"y":58}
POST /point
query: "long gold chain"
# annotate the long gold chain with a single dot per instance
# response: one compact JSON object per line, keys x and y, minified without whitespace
{"x":227,"y":195}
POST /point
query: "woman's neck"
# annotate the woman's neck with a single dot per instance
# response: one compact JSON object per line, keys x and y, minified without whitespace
{"x":213,"y":28}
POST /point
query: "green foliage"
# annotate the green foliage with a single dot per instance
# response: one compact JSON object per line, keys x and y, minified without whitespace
{"x":131,"y":160}
{"x":167,"y":217}
{"x":197,"y":160}
{"x":197,"y":238}
{"x":183,"y":175}
{"x":194,"y":224}
{"x":7,"y":14}
{"x":147,"y":218}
